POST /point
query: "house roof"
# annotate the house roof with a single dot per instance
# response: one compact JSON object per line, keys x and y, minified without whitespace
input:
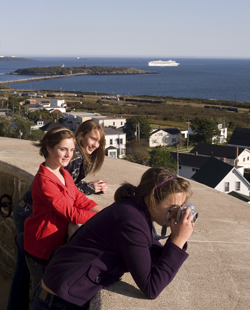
{"x":50,"y":125}
{"x":172,"y":131}
{"x":212,"y":172}
{"x":111,"y":148}
{"x":111,"y":131}
{"x":39,"y":119}
{"x":239,"y":196}
{"x":217,"y":150}
{"x":240,"y":136}
{"x":190,"y":160}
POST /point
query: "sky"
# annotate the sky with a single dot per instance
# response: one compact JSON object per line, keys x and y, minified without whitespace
{"x":131,"y":28}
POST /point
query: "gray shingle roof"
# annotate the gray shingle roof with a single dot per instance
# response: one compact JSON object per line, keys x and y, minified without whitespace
{"x":190,"y":160}
{"x":240,"y":136}
{"x":239,"y":196}
{"x":217,"y":150}
{"x":212,"y":172}
{"x":172,"y":131}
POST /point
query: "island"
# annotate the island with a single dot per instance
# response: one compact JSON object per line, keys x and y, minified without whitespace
{"x":14,"y":58}
{"x":46,"y":73}
{"x":68,"y":71}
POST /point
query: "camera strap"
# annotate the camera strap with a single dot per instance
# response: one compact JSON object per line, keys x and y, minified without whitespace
{"x":164,"y":227}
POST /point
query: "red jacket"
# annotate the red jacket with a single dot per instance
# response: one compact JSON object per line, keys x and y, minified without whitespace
{"x":54,"y":206}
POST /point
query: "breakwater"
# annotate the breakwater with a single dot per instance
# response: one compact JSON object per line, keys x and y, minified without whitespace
{"x":40,"y":78}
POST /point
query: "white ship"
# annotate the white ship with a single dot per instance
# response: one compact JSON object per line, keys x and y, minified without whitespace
{"x":162,"y":63}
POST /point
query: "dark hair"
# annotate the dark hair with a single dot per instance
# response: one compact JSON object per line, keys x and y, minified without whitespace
{"x":52,"y":138}
{"x":93,"y":162}
{"x":149,"y":186}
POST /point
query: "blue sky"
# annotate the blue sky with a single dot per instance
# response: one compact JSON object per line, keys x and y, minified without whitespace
{"x":143,"y":28}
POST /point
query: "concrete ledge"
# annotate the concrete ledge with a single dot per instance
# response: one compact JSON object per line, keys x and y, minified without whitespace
{"x":216,"y":274}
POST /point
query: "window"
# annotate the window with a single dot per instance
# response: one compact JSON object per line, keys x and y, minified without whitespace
{"x":113,"y":123}
{"x":120,"y":141}
{"x":112,"y":154}
{"x":226,"y":186}
{"x":248,"y":158}
{"x":243,"y":159}
{"x":160,"y":134}
{"x":111,"y":141}
{"x":237,"y":186}
{"x":173,"y":139}
{"x":121,"y":123}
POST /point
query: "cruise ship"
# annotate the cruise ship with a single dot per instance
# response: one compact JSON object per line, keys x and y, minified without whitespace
{"x":162,"y":63}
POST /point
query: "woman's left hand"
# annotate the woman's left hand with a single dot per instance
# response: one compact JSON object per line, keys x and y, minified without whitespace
{"x":100,"y":186}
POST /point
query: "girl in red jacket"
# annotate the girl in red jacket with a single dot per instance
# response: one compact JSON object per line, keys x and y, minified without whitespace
{"x":56,"y":201}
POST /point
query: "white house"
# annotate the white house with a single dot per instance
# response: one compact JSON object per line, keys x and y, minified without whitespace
{"x":58,"y":103}
{"x":222,"y":138}
{"x":73,"y":120}
{"x":222,"y":177}
{"x":164,"y":137}
{"x":115,"y":143}
{"x":39,"y":122}
{"x":117,"y":122}
{"x":188,"y":163}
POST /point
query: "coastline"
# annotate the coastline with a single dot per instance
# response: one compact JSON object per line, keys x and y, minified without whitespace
{"x":49,"y":77}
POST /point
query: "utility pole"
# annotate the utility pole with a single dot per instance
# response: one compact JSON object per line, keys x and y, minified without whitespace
{"x":137,"y":131}
{"x":188,"y":134}
{"x":177,"y":159}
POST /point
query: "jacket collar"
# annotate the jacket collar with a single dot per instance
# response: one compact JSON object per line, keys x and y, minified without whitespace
{"x":68,"y":187}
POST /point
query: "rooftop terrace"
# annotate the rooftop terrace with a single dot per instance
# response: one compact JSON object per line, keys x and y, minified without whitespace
{"x":216,"y":274}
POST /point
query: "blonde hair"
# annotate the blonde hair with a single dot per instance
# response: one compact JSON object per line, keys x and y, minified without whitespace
{"x":156,"y":184}
{"x":52,"y":138}
{"x":93,"y":162}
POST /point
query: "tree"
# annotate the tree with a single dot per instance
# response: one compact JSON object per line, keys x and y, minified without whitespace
{"x":36,"y":135}
{"x":160,"y":157}
{"x":141,"y":157}
{"x":21,"y":127}
{"x":45,"y":114}
{"x":5,"y":126}
{"x":205,"y":129}
{"x":138,"y":124}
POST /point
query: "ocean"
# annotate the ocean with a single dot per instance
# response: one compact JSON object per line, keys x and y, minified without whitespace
{"x":223,"y":79}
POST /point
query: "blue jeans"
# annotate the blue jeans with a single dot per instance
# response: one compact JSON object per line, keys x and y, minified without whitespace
{"x":42,"y":300}
{"x":19,"y":290}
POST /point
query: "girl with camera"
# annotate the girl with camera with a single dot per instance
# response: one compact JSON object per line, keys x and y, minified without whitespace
{"x":120,"y":239}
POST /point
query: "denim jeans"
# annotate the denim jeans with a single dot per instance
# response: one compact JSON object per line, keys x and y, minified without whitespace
{"x":43,"y":301}
{"x":19,"y":291}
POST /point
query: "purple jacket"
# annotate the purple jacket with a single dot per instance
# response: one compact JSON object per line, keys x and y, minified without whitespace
{"x":116,"y":240}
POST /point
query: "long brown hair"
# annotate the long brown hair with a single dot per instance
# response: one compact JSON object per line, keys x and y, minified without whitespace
{"x":53,"y":137}
{"x":156,"y":184}
{"x":93,"y":162}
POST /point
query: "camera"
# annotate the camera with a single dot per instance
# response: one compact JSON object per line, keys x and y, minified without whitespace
{"x":181,"y":210}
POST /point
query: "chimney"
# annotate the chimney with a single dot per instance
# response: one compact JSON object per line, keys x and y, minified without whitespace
{"x":196,"y":153}
{"x":224,"y":159}
{"x":237,"y":154}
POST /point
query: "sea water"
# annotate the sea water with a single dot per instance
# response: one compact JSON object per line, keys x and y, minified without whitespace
{"x":224,"y":79}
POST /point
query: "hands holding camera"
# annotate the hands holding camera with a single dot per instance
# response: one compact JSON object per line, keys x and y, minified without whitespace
{"x":181,"y":231}
{"x":100,"y":186}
